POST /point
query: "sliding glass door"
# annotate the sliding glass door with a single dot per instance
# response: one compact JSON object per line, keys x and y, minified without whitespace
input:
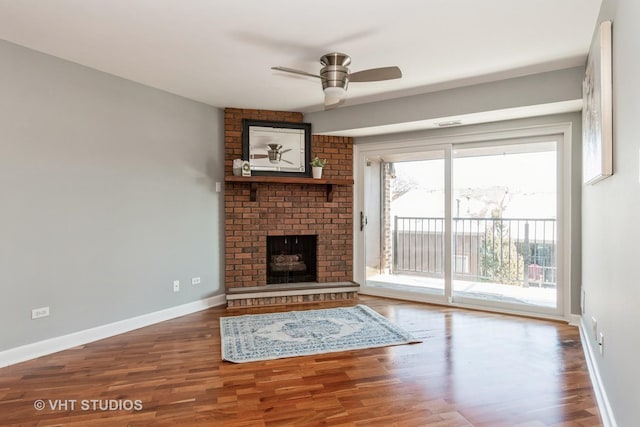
{"x":505,"y":223}
{"x":473,"y":224}
{"x":405,"y":239}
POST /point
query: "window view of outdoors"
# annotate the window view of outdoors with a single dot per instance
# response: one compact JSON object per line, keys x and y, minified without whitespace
{"x":503,"y":224}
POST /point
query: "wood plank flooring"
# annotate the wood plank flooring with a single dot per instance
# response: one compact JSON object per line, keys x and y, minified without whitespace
{"x":472,"y":369}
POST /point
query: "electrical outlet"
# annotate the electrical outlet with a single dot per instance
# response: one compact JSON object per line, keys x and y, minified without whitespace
{"x":195,"y":280}
{"x":37,"y":313}
{"x":601,"y":343}
{"x":594,"y":328}
{"x":176,"y":286}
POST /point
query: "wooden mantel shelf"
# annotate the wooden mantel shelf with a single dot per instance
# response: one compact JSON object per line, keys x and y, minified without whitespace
{"x":255,"y":180}
{"x":288,"y":180}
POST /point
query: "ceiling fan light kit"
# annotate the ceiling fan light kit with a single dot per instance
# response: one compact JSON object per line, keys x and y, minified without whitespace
{"x":335,"y":92}
{"x":335,"y":76}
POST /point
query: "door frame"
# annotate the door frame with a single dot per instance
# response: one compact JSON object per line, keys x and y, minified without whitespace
{"x":560,"y":131}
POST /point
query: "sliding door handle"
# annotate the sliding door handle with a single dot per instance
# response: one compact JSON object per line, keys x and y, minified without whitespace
{"x":363,"y":220}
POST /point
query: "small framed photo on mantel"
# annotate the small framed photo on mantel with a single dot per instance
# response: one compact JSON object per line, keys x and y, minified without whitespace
{"x":277,"y":148}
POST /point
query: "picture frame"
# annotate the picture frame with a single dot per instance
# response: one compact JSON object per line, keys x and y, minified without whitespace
{"x":277,"y":148}
{"x":597,"y":113}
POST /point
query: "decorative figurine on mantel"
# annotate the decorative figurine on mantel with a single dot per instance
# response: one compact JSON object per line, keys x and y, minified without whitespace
{"x":316,"y":167}
{"x":246,"y":168}
{"x":237,"y":167}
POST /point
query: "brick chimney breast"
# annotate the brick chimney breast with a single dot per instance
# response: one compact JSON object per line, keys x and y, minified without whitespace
{"x":286,"y":209}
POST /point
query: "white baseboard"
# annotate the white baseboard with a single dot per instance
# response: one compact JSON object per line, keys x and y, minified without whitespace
{"x":53,"y":345}
{"x":574,"y":320}
{"x":606,"y":412}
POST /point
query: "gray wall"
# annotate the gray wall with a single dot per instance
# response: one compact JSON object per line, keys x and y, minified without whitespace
{"x":535,"y":89}
{"x":611,"y":226}
{"x":107,"y":195}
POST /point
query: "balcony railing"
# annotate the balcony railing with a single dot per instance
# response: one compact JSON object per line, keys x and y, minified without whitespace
{"x":506,"y":250}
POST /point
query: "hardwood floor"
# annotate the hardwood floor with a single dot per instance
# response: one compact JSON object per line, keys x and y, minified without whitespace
{"x":472,"y":369}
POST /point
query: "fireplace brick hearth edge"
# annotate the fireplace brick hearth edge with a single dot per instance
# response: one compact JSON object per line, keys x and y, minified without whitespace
{"x":283,"y":209}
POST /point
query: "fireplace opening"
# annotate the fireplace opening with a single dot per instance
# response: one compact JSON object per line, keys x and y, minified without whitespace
{"x":291,"y":259}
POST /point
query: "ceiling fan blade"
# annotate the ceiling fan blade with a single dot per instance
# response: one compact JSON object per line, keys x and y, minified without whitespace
{"x":331,"y":102}
{"x":291,"y":70}
{"x":376,"y":74}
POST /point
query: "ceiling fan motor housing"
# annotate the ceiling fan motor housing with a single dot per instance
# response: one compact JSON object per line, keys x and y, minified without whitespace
{"x":334,"y":72}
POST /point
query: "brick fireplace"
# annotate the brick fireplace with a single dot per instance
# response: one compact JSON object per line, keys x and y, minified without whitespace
{"x":283,"y":209}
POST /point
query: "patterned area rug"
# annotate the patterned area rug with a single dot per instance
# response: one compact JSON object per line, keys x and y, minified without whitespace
{"x":254,"y":337}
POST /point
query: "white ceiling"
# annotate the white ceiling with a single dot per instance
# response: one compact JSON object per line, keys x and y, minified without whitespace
{"x":220,"y":51}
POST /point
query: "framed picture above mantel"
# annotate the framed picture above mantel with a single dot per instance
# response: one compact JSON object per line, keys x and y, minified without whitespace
{"x":277,"y":148}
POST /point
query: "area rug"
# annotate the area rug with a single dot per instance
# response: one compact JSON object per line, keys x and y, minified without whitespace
{"x":255,"y":337}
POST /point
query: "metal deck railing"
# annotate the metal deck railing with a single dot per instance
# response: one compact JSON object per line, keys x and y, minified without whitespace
{"x":516,"y":251}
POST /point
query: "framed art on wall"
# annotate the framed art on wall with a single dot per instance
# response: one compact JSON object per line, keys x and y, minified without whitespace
{"x":597,"y":113}
{"x":277,"y":148}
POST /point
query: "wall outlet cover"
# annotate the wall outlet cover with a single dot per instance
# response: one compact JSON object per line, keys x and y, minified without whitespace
{"x":601,"y":343}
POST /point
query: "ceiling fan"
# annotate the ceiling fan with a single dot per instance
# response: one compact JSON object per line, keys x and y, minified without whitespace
{"x":335,"y":76}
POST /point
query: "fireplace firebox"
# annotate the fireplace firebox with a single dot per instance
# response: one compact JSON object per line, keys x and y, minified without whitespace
{"x":291,"y":259}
